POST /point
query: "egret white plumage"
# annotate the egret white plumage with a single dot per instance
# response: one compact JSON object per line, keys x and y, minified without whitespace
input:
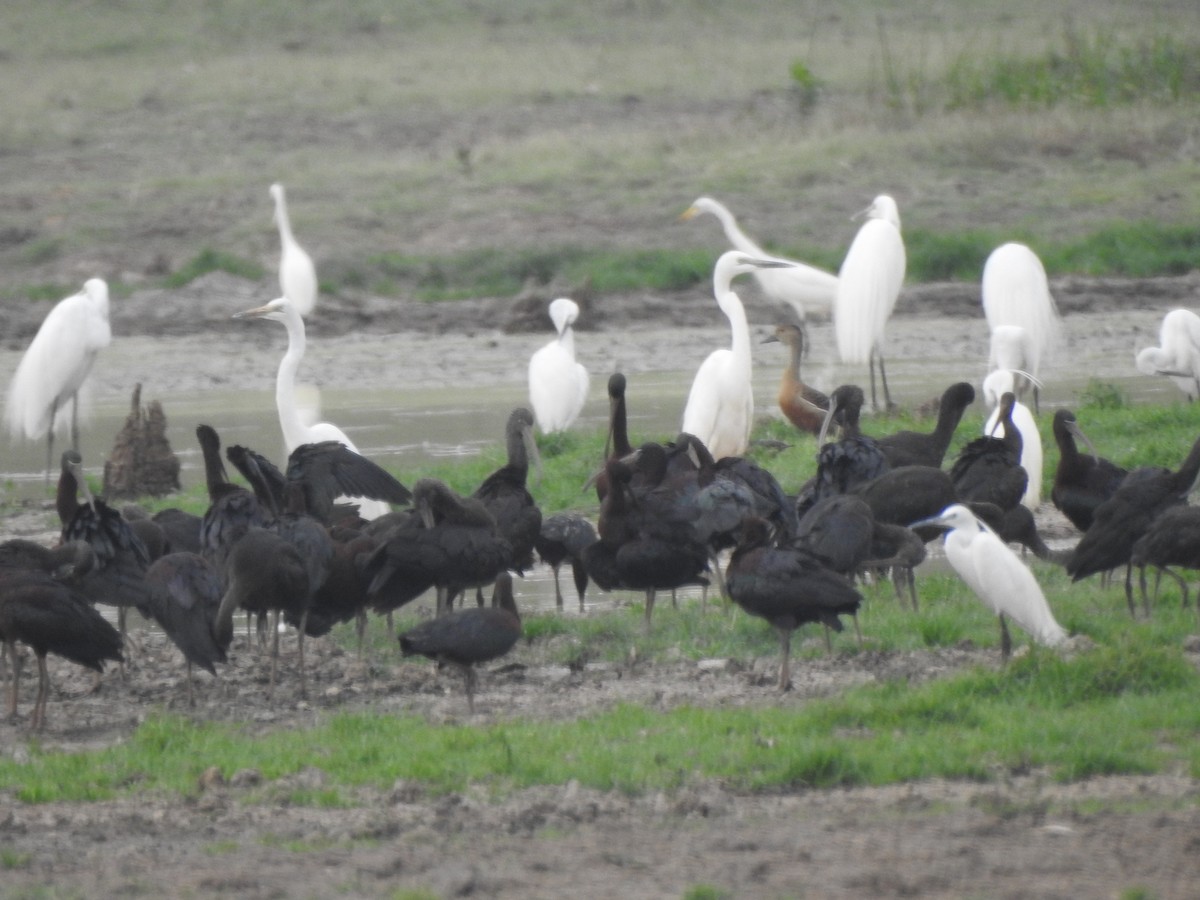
{"x":720,"y":406}
{"x":801,"y":287}
{"x":295,"y":430}
{"x":558,"y":385}
{"x":297,"y":274}
{"x":1178,"y":353}
{"x":995,"y":386}
{"x":56,"y":365}
{"x":869,"y":282}
{"x":997,"y":576}
{"x":1016,"y":293}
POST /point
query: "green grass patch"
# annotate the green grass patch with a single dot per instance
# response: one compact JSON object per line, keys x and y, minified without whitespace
{"x":209,"y":260}
{"x":1122,"y":709}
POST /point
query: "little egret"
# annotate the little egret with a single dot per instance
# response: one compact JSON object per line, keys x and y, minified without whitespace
{"x":997,"y":576}
{"x":799,"y":286}
{"x":55,"y":366}
{"x":297,"y":274}
{"x":869,"y":282}
{"x":720,"y":406}
{"x":558,"y":385}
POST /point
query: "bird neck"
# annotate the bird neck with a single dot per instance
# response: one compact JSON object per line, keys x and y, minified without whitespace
{"x":731,"y":305}
{"x":736,"y":236}
{"x":566,"y":340}
{"x":282,"y":220}
{"x":797,"y":352}
{"x":294,"y":431}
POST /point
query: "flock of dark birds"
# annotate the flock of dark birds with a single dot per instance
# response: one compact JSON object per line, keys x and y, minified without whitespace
{"x":286,"y":546}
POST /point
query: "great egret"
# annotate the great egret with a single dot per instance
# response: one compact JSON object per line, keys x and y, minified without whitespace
{"x":869,"y":282}
{"x":800,"y":286}
{"x":720,"y":406}
{"x":558,"y":385}
{"x":803,"y":405}
{"x":995,"y":385}
{"x":1178,"y":353}
{"x":467,"y":637}
{"x":55,"y":366}
{"x":297,"y":274}
{"x":295,"y":430}
{"x":1016,"y":293}
{"x":997,"y":576}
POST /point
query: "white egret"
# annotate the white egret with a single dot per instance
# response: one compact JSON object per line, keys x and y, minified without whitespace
{"x":995,"y":386}
{"x":558,"y":385}
{"x":997,"y":576}
{"x":800,"y":286}
{"x":869,"y":282}
{"x":297,"y":274}
{"x":1016,"y":292}
{"x":720,"y":406}
{"x":296,"y":430}
{"x":1178,"y":353}
{"x":56,"y":365}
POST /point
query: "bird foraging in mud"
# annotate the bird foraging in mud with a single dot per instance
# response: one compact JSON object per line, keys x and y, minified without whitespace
{"x":466,"y":637}
{"x":786,"y":586}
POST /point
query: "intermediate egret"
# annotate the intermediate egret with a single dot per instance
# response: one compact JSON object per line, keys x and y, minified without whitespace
{"x":297,"y":274}
{"x":558,"y":385}
{"x":1178,"y":353}
{"x":803,"y":405}
{"x":55,"y":366}
{"x":295,"y":430}
{"x":720,"y":406}
{"x":800,"y":286}
{"x":1016,"y":292}
{"x":869,"y":282}
{"x":995,"y":385}
{"x":997,"y":576}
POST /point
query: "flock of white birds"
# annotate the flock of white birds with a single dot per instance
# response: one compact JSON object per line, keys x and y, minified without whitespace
{"x":43,"y":396}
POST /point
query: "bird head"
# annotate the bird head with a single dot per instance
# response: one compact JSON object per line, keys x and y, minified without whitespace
{"x":278,"y":310}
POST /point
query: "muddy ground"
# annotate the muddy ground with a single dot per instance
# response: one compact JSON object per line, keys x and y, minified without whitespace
{"x":236,"y":836}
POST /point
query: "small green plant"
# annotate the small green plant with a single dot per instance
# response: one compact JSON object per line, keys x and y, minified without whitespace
{"x":806,"y":87}
{"x":1102,"y":395}
{"x":209,"y":260}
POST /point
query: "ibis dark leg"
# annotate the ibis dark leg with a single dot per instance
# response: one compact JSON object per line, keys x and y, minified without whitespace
{"x":649,"y":607}
{"x":16,"y":678}
{"x":43,"y":692}
{"x":785,"y":653}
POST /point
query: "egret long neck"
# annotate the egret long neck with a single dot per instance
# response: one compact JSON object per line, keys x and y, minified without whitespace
{"x":566,"y":340}
{"x":731,"y":305}
{"x":285,"y":383}
{"x":736,"y":236}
